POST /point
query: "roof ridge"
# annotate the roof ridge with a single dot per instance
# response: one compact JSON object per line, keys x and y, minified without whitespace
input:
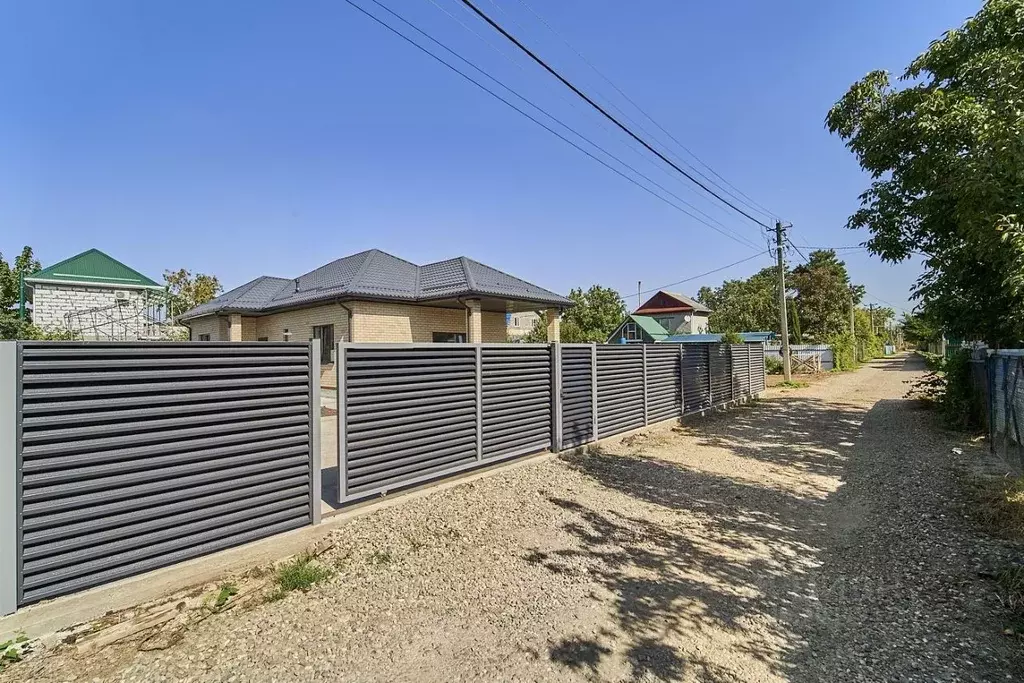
{"x":370,"y":254}
{"x":144,"y":279}
{"x":470,"y":281}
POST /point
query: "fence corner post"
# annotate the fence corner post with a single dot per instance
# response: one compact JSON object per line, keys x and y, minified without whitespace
{"x":315,"y":463}
{"x":556,"y":397}
{"x":593,"y":391}
{"x":644,"y":375}
{"x":340,"y":363}
{"x":9,"y":476}
{"x":750,"y":369}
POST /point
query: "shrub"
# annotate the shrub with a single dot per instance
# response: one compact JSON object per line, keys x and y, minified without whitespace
{"x":731,"y":338}
{"x":773,"y":365}
{"x":844,"y":351}
{"x":950,"y":389}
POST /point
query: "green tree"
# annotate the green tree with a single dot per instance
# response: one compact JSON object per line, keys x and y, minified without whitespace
{"x":188,"y":291}
{"x":822,"y":288}
{"x":593,"y":316}
{"x":24,"y":263}
{"x":795,"y":334}
{"x":919,"y":329}
{"x":945,"y":154}
{"x":750,"y":305}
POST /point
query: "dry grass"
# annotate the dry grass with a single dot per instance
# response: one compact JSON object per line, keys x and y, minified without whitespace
{"x":1001,"y":506}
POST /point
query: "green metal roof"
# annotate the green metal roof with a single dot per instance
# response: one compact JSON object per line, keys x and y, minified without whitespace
{"x":651,"y":326}
{"x":94,"y":266}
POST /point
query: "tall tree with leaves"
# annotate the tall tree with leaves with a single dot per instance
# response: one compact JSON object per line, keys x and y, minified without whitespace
{"x":188,"y":291}
{"x":822,"y":288}
{"x":750,"y":305}
{"x":593,"y":316}
{"x":945,"y":153}
{"x":24,"y":264}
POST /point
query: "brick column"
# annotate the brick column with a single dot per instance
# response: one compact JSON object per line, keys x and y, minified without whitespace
{"x":554,"y":325}
{"x":235,"y":327}
{"x":474,"y":322}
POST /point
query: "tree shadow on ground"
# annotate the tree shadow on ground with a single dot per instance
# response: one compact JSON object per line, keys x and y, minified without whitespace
{"x":744,"y":573}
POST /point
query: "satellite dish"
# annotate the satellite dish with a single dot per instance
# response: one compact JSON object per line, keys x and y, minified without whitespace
{"x":686,"y":318}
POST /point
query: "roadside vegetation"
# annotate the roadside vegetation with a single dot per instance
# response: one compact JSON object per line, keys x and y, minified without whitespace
{"x":301,"y":574}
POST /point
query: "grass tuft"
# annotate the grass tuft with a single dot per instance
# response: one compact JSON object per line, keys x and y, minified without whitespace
{"x":301,"y":573}
{"x":793,"y":384}
{"x":227,"y":591}
{"x":1001,"y":506}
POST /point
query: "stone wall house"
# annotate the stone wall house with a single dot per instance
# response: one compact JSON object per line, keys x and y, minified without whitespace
{"x":96,"y":297}
{"x":375,"y":297}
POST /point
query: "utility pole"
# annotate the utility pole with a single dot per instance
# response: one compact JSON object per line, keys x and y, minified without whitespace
{"x":638,"y":302}
{"x":783,"y":319}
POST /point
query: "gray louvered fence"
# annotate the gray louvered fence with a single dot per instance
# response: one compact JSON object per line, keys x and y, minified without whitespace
{"x":410,"y":413}
{"x":131,"y":456}
{"x":1004,"y":398}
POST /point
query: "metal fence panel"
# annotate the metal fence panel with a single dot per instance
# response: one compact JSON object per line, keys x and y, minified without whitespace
{"x":696,"y":389}
{"x":721,"y":376}
{"x":620,"y":388}
{"x":516,"y":399}
{"x":757,"y":378}
{"x":134,"y":456}
{"x":410,"y":413}
{"x":740,"y":370}
{"x":663,"y":389}
{"x":577,"y":395}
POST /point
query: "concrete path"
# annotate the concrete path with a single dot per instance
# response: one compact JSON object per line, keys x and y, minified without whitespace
{"x":818,"y":535}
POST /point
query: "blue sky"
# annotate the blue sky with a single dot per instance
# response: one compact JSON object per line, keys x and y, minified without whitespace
{"x":253,"y":138}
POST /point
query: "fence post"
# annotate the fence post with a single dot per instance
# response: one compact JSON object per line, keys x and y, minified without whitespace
{"x":9,"y":476}
{"x":732,"y":376}
{"x":750,"y":370}
{"x":711,"y":390}
{"x":644,"y":347}
{"x":682,"y":386}
{"x":340,"y":363}
{"x":479,"y":404}
{"x":593,"y":390}
{"x":314,"y":431}
{"x":556,"y":397}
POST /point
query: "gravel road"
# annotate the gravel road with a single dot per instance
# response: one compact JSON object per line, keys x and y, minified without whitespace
{"x":817,"y":535}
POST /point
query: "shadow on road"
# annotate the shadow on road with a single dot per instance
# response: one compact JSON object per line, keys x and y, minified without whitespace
{"x":745,"y":571}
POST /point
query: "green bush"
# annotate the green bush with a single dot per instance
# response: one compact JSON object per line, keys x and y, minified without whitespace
{"x":731,"y":338}
{"x":844,"y":351}
{"x":773,"y":365}
{"x":950,"y":389}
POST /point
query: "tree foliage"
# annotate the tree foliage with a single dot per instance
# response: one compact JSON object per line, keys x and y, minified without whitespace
{"x":188,"y":291}
{"x":822,"y":295}
{"x":945,"y":153}
{"x":919,"y":329}
{"x":750,"y":305}
{"x":593,"y":316}
{"x":24,"y":263}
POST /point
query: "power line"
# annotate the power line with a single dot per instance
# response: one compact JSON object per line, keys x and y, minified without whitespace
{"x":710,"y":272}
{"x":737,"y":193}
{"x":806,"y":260}
{"x":572,"y":102}
{"x":604,"y":112}
{"x":736,"y":238}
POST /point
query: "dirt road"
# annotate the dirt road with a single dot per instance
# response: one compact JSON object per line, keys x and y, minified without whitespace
{"x":818,"y":535}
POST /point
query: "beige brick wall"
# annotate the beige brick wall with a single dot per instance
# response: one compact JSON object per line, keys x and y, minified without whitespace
{"x":375,"y":322}
{"x":214,"y":325}
{"x":300,"y":323}
{"x":494,"y":327}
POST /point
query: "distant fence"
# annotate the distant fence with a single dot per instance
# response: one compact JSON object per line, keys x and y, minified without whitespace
{"x":999,"y":386}
{"x":118,"y":458}
{"x":409,"y":413}
{"x":803,"y":352}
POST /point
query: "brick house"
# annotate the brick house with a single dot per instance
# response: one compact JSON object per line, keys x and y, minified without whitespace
{"x":663,"y":315}
{"x":373,"y":296}
{"x":96,"y":297}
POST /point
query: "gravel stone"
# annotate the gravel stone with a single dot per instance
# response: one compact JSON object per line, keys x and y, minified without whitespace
{"x":820,"y":534}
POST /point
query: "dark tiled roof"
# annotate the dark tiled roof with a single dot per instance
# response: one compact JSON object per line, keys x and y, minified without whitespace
{"x":375,"y":274}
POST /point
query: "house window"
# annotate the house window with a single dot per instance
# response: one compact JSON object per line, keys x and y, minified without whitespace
{"x":325,"y":333}
{"x":449,"y":337}
{"x":667,"y":323}
{"x":630,"y":332}
{"x":204,"y":337}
